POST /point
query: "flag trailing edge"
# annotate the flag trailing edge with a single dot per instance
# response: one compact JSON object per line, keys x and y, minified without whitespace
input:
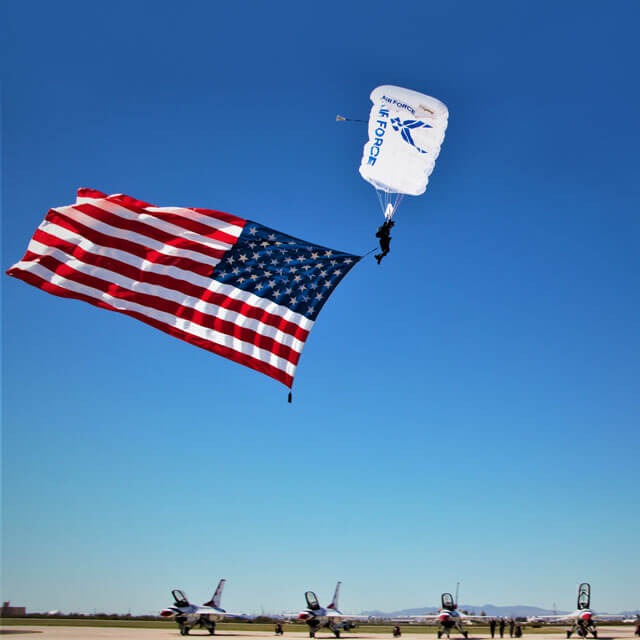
{"x":223,"y":283}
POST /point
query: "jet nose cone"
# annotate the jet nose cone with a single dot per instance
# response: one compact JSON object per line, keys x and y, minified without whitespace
{"x":444,"y":617}
{"x":303,"y":615}
{"x":586,"y":616}
{"x":167,"y":613}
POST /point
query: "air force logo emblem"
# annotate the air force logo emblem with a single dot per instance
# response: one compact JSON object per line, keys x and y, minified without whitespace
{"x":405,"y":126}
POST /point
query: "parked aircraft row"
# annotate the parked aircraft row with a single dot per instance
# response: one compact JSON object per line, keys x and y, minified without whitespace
{"x":188,"y":616}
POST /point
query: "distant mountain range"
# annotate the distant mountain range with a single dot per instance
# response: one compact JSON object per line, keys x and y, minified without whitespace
{"x":516,"y":610}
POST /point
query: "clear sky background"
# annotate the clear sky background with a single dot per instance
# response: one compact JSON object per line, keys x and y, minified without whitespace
{"x":466,"y":411}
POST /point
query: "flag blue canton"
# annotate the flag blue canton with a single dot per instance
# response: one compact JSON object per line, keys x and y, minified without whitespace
{"x":288,"y":271}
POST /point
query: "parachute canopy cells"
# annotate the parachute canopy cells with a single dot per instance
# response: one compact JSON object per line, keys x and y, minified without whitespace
{"x":406,"y":129}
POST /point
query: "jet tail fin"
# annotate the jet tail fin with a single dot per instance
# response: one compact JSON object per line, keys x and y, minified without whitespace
{"x":217,"y":596}
{"x":334,"y":602}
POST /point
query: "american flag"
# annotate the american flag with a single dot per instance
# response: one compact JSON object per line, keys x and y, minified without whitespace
{"x":220,"y":282}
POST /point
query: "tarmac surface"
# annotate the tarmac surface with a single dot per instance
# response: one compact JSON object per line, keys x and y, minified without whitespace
{"x":125,"y":633}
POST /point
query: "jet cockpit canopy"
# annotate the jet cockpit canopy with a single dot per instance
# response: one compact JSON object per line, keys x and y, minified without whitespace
{"x":447,"y":602}
{"x":312,"y":600}
{"x":180,"y":598}
{"x":584,"y":595}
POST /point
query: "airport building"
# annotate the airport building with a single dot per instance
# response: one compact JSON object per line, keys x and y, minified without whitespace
{"x":12,"y":612}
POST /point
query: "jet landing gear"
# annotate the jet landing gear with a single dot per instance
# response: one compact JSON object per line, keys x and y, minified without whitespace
{"x":583,"y":631}
{"x":336,"y":632}
{"x":211,"y":628}
{"x":184,"y":630}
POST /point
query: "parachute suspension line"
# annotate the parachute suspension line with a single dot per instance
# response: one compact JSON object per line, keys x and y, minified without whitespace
{"x":389,"y":202}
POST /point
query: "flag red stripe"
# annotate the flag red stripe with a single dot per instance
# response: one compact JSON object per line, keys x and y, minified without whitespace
{"x":221,"y":350}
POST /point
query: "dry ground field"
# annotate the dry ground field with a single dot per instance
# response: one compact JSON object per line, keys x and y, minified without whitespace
{"x":123,"y":633}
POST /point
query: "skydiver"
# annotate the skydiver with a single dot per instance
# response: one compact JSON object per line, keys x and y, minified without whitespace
{"x":384,"y":233}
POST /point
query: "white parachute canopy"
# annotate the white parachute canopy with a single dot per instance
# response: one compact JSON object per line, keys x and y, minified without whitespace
{"x":406,"y":129}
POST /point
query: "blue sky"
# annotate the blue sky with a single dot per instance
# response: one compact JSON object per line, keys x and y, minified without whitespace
{"x":467,"y":411}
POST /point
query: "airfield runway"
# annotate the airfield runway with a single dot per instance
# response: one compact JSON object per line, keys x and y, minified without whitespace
{"x":124,"y":633}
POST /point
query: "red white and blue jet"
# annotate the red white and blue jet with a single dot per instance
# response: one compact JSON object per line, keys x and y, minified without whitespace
{"x":318,"y":617}
{"x":189,"y":615}
{"x":449,"y":618}
{"x":583,"y":619}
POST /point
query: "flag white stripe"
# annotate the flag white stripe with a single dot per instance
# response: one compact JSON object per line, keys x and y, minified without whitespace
{"x":173,"y":295}
{"x":213,"y":337}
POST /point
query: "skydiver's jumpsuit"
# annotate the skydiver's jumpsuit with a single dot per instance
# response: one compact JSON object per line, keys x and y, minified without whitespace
{"x":384,"y":233}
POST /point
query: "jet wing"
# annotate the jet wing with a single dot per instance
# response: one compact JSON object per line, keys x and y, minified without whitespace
{"x":427,"y":618}
{"x":551,"y":619}
{"x":221,"y":612}
{"x":345,"y":616}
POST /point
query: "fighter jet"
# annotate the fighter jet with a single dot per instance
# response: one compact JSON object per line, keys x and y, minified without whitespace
{"x":449,"y":617}
{"x":583,"y":619}
{"x":189,"y":615}
{"x":318,"y":617}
